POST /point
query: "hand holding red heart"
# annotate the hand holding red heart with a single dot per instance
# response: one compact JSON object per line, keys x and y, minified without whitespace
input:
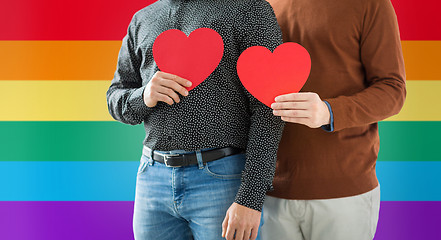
{"x":267,"y":74}
{"x":164,"y":87}
{"x":303,"y":108}
{"x":263,"y":73}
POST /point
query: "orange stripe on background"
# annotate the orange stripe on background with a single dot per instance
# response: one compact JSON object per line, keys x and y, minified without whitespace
{"x":422,"y":59}
{"x":58,"y":60}
{"x":86,"y":60}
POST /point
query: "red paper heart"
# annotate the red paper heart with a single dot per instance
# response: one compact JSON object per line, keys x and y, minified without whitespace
{"x":267,"y":75}
{"x":194,"y":57}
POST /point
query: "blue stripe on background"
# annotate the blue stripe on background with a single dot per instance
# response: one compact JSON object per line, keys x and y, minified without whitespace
{"x":115,"y":181}
{"x":410,"y":181}
{"x":68,"y":181}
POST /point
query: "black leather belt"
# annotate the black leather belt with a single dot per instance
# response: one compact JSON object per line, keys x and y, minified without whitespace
{"x":186,"y":159}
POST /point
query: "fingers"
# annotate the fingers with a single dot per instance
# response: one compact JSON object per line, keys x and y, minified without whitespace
{"x":225,"y":225}
{"x":229,"y":235}
{"x":246,"y":234}
{"x":164,"y":98}
{"x":304,"y":121}
{"x":165,"y":87}
{"x":303,"y":96}
{"x":312,"y":122}
{"x":290,"y":105}
{"x":303,"y":108}
{"x":168,"y":92}
{"x":240,"y":222}
{"x":239,"y":234}
{"x":292,"y":113}
{"x":254,"y":232}
{"x":229,"y":229}
{"x":174,"y":86}
{"x":238,"y":231}
{"x":177,"y":79}
{"x":173,"y":82}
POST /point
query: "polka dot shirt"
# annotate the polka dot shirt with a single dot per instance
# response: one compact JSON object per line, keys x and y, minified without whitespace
{"x":219,"y":112}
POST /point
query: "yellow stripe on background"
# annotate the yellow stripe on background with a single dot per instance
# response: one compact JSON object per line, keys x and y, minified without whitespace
{"x":84,"y":60}
{"x":422,"y":59}
{"x":86,"y":101}
{"x":58,"y":60}
{"x":54,"y":101}
{"x":423,"y":102}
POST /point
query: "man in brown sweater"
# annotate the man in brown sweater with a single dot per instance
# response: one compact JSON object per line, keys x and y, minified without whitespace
{"x":325,"y":183}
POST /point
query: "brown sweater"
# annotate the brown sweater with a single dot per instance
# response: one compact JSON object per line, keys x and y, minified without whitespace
{"x":357,"y":66}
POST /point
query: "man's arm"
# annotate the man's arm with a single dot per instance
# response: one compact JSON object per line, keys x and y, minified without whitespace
{"x":127,"y":99}
{"x":125,"y":94}
{"x":258,"y":27}
{"x":384,"y":96}
{"x":382,"y":59}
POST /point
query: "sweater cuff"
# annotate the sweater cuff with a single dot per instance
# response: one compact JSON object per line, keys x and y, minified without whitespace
{"x":338,"y":113}
{"x":137,"y":105}
{"x":329,"y":127}
{"x":251,"y":194}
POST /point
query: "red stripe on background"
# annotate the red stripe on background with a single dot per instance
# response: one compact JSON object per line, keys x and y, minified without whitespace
{"x":108,"y":19}
{"x":419,"y":20}
{"x":67,"y":20}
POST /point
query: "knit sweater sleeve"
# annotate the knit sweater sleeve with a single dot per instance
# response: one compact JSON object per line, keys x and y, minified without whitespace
{"x":382,"y":59}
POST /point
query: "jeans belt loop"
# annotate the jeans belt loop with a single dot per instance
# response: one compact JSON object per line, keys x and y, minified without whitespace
{"x":199,"y":158}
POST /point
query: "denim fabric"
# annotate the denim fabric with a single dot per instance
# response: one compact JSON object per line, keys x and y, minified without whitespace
{"x":217,"y":113}
{"x":185,"y":202}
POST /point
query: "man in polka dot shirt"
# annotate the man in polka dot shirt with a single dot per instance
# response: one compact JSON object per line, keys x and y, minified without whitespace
{"x":209,"y":154}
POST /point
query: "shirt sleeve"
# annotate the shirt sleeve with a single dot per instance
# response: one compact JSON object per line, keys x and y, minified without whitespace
{"x":125,"y":94}
{"x":259,"y":27}
{"x":382,"y":59}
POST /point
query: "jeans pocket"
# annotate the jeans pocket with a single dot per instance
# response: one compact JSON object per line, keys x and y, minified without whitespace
{"x":143,"y":164}
{"x":230,"y":167}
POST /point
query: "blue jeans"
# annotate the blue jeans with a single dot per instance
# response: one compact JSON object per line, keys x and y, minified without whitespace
{"x":185,"y":202}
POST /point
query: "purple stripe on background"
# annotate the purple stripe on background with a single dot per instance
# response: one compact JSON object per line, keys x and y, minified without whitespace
{"x":409,"y":221}
{"x":113,"y":221}
{"x":66,"y":220}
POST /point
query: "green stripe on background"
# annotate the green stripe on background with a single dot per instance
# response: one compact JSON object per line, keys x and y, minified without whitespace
{"x":113,"y":141}
{"x":70,"y":141}
{"x":410,"y":141}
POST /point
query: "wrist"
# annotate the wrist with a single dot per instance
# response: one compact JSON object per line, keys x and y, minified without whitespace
{"x":326,"y":114}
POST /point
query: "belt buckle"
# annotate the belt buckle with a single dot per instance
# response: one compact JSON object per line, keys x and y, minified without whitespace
{"x":166,"y":158}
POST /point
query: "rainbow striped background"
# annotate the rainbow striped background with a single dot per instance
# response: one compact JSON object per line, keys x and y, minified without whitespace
{"x":67,"y":170}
